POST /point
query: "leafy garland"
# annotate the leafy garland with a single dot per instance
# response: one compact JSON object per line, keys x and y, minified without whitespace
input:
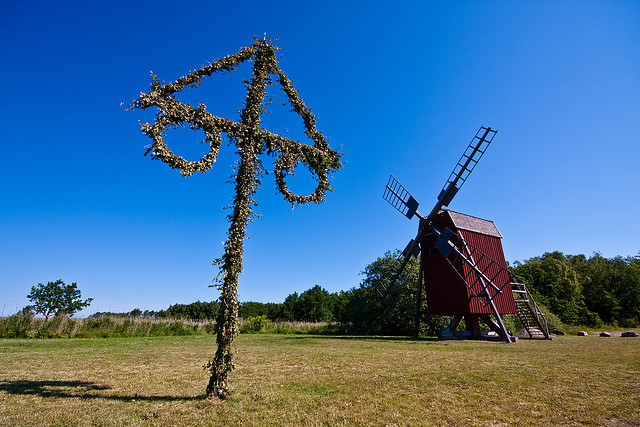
{"x":320,"y":158}
{"x":251,"y":141}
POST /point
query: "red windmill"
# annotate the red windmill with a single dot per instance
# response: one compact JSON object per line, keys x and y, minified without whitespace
{"x":462,"y":261}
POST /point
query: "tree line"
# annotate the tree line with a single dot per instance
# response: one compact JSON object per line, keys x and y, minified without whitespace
{"x":587,"y":291}
{"x":580,"y":290}
{"x":576,"y":289}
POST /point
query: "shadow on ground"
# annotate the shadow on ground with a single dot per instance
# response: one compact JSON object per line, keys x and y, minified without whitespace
{"x":79,"y":390}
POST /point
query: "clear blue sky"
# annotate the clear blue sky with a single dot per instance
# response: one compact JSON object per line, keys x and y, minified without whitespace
{"x":400,"y":86}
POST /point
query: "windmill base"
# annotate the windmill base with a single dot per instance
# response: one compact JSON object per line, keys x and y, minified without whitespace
{"x":473,"y":332}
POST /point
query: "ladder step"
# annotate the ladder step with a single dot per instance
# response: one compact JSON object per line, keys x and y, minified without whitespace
{"x":528,"y":313}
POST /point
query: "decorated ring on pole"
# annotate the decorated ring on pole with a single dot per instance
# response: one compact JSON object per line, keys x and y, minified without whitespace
{"x":176,"y":114}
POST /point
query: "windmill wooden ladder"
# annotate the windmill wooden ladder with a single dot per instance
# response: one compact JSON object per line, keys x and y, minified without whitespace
{"x":529,"y":313}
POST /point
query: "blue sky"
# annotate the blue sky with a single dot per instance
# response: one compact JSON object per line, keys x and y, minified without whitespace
{"x":401,"y":87}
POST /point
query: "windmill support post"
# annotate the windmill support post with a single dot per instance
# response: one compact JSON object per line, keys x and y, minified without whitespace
{"x":472,"y":328}
{"x":416,"y":332}
{"x":450,"y":331}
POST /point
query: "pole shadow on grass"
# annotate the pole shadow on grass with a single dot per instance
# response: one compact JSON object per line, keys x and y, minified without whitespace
{"x":78,"y":390}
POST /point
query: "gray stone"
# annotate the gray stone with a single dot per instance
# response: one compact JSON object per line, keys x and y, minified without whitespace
{"x":558,"y":332}
{"x":583,"y":334}
{"x":605,"y":334}
{"x":629,"y":334}
{"x":535,"y":333}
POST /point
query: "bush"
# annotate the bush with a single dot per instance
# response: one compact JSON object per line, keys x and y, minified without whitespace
{"x":180,"y":328}
{"x":592,"y":319}
{"x":628,"y":323}
{"x":254,"y":324}
{"x":25,"y":326}
{"x":553,"y":321}
{"x":17,"y":326}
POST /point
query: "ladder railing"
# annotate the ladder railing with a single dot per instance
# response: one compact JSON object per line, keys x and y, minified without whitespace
{"x":528,"y":311}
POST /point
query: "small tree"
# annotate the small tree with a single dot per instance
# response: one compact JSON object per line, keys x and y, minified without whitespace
{"x":316,"y":305}
{"x":368,"y":313}
{"x":57,"y":298}
{"x":136,"y":312}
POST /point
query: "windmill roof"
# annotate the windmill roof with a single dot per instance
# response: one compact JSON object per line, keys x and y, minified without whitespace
{"x":472,"y":223}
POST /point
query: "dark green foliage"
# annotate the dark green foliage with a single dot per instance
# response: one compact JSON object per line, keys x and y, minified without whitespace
{"x":611,"y":287}
{"x":180,"y":328}
{"x":255,"y":309}
{"x":105,"y":323}
{"x":588,"y":291}
{"x":57,"y":298}
{"x":289,"y":310}
{"x":150,"y":314}
{"x":315,"y":305}
{"x":136,"y":312}
{"x":366,"y":312}
{"x":155,"y":314}
{"x":194,"y":311}
{"x":553,"y":280}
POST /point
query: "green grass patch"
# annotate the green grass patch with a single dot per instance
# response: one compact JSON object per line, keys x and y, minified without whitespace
{"x":318,"y":380}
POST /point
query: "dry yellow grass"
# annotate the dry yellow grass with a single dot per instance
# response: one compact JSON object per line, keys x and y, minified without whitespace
{"x":301,"y":380}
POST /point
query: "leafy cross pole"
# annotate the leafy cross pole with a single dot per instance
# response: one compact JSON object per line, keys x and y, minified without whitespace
{"x":251,"y":141}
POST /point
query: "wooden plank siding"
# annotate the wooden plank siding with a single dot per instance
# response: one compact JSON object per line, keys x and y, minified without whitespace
{"x":447,"y":293}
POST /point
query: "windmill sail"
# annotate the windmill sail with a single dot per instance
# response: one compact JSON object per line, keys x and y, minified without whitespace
{"x":466,"y":273}
{"x":399,"y":198}
{"x":468,"y":161}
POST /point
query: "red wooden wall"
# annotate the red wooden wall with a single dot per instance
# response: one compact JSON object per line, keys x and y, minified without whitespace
{"x":447,"y":293}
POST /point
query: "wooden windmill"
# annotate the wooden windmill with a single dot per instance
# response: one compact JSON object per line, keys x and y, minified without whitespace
{"x":462,"y":262}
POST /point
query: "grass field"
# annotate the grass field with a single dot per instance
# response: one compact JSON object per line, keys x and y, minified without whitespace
{"x":303,"y":380}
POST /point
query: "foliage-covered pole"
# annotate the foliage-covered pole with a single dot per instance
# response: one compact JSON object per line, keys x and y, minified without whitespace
{"x":247,"y":179}
{"x":251,"y":141}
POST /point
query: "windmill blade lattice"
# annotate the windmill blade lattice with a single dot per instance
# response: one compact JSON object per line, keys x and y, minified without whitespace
{"x":468,"y":161}
{"x":400,"y":198}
